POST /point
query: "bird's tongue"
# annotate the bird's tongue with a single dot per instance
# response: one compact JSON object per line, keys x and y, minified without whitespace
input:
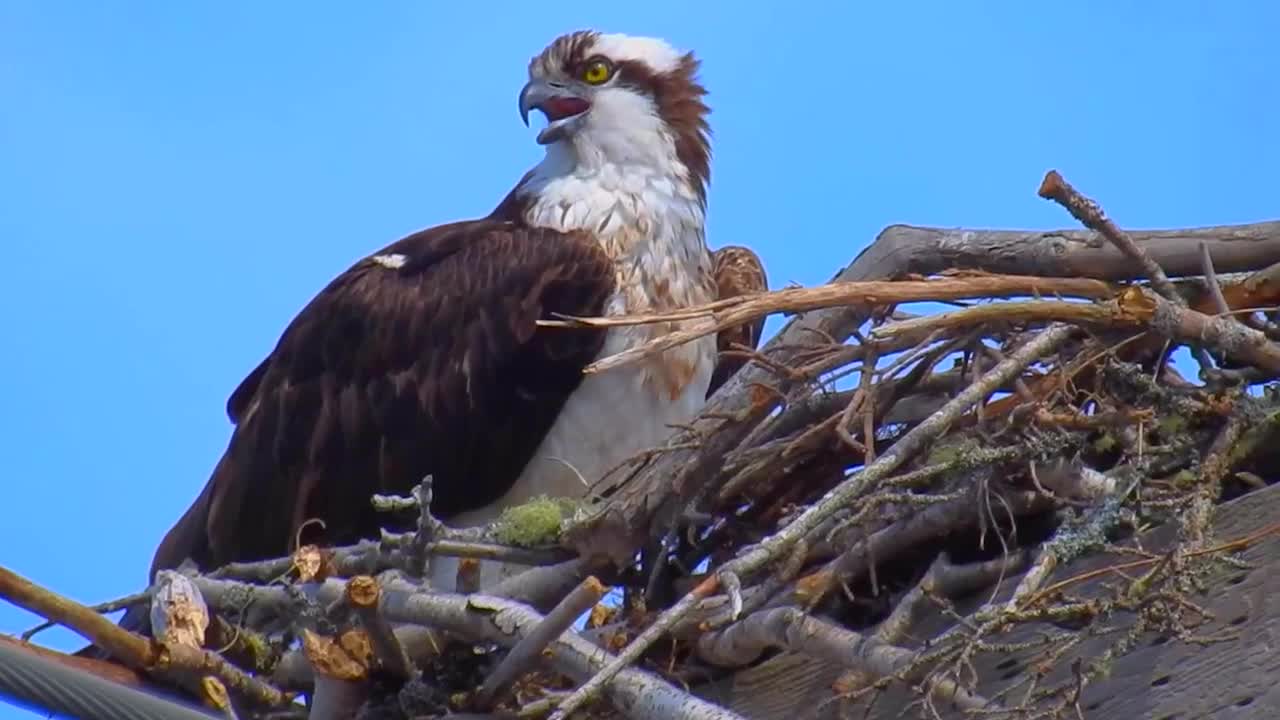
{"x":558,"y":108}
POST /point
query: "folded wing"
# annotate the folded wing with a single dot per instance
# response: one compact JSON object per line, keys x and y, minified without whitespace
{"x":423,"y":358}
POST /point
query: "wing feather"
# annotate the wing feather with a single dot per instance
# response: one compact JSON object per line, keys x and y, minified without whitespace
{"x":738,"y":271}
{"x":390,"y":373}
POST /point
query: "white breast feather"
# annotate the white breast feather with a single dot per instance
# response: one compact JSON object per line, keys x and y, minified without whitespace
{"x":654,"y":229}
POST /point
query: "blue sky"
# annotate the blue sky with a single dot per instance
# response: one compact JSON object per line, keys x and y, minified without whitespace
{"x":178,"y":179}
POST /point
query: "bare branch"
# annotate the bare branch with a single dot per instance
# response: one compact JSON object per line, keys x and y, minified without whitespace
{"x":780,"y":542}
{"x":794,"y":630}
{"x":528,"y":650}
{"x":1091,"y":215}
{"x":749,"y":307}
{"x":363,"y":594}
{"x":486,"y":618}
{"x":133,"y":650}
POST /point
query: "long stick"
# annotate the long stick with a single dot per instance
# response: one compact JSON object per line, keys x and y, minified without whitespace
{"x":777,"y":544}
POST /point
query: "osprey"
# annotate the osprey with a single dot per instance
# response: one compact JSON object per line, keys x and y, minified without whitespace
{"x":425,"y":358}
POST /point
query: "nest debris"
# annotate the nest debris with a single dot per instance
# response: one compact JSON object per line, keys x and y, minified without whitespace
{"x":870,"y":469}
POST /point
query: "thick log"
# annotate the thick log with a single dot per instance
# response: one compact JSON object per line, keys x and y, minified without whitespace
{"x":1068,"y":253}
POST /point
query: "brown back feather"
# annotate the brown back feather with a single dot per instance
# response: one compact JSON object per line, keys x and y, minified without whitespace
{"x":738,"y":271}
{"x":390,"y":374}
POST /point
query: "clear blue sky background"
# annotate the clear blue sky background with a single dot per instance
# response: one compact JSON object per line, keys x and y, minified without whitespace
{"x":178,"y":179}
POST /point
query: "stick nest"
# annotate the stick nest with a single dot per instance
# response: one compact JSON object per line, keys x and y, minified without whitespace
{"x":906,"y":498}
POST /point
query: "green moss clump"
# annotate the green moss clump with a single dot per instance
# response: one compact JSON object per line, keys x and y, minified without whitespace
{"x":264,"y":656}
{"x":946,"y":454}
{"x":535,"y":523}
{"x":1185,"y":479}
{"x":1105,"y":443}
{"x":1172,"y":425}
{"x":1261,"y":432}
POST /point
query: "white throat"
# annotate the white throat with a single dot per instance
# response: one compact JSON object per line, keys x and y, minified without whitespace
{"x":634,"y":196}
{"x":630,"y":191}
{"x":603,"y":179}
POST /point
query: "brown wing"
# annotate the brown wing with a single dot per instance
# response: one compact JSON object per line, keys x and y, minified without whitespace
{"x":428,"y":361}
{"x":738,"y":271}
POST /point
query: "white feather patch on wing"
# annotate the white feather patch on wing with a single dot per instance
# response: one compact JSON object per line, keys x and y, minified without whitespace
{"x":390,"y":260}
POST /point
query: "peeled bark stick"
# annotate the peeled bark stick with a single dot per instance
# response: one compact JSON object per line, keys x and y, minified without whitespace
{"x":776,"y":545}
{"x":1107,"y":314}
{"x":133,"y":650}
{"x":1132,"y":308}
{"x":974,"y":285}
{"x":479,"y":550}
{"x":735,"y":311}
{"x":363,"y":594}
{"x":528,"y":650}
{"x":363,"y":558}
{"x":542,"y":587}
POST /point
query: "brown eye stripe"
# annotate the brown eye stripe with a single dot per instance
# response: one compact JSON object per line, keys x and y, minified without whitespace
{"x":678,"y":95}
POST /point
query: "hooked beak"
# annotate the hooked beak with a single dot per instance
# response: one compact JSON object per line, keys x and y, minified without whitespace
{"x":561,"y":106}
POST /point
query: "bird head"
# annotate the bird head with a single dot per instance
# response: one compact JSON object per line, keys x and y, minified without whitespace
{"x":619,"y":97}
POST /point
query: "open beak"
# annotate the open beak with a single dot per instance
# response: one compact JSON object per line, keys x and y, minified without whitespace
{"x":559,"y":104}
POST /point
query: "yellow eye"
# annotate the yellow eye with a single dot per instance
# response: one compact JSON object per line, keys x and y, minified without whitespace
{"x":597,"y":72}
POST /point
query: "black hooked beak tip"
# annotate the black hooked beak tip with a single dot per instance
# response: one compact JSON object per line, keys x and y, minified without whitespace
{"x":540,"y":95}
{"x":528,"y":100}
{"x":557,"y":102}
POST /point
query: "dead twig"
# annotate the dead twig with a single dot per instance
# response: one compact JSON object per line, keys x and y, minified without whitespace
{"x":134,"y":650}
{"x":792,"y":629}
{"x":110,"y":606}
{"x":1090,"y":214}
{"x":876,"y":292}
{"x":778,"y":543}
{"x":749,"y":307}
{"x":527,"y":652}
